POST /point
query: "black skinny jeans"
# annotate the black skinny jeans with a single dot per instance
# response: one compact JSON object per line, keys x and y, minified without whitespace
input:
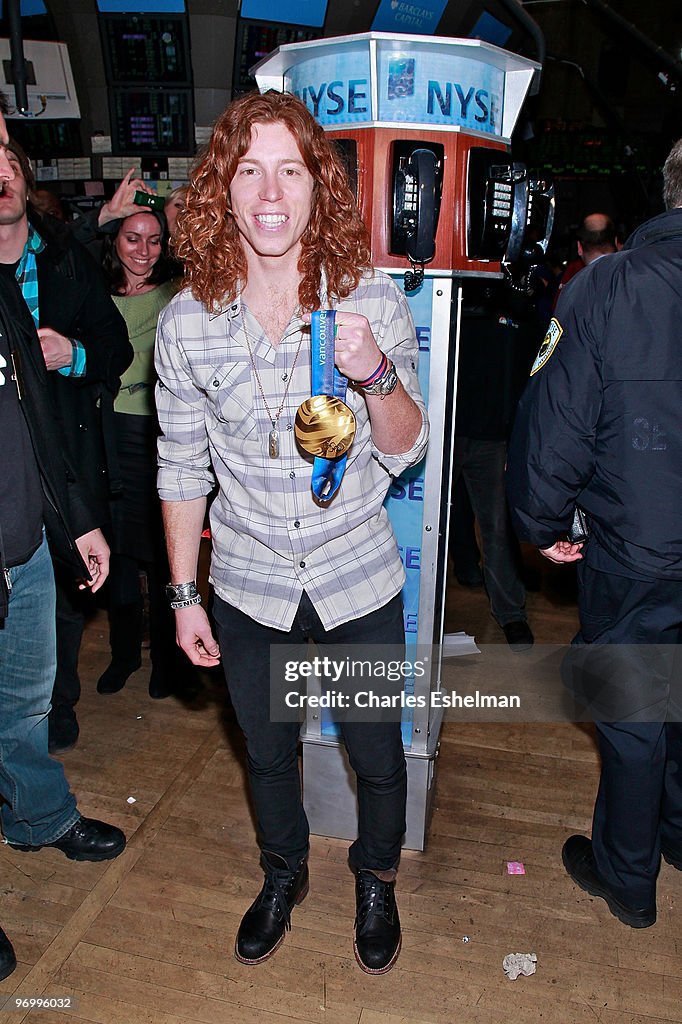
{"x":375,"y":750}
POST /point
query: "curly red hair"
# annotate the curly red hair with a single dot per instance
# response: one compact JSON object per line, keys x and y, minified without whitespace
{"x":207,"y":240}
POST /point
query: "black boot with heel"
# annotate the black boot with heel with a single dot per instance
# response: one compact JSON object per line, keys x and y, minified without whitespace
{"x":269,"y":916}
{"x":377,"y":925}
{"x":8,"y":960}
{"x":125,"y":637}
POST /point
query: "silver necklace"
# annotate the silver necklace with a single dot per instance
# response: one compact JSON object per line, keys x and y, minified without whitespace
{"x":273,"y":436}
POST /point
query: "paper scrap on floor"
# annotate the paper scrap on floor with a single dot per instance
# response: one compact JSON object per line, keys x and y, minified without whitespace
{"x":457,"y":644}
{"x":515,"y":964}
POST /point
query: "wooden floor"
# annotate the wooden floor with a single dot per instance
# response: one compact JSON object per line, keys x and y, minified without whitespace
{"x":149,"y":937}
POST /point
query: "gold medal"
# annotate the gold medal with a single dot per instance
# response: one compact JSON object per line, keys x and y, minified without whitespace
{"x":324,"y":426}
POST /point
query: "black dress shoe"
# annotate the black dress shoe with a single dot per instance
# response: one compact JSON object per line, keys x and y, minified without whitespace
{"x":672,"y":856}
{"x":87,"y":839}
{"x":62,"y":729}
{"x":269,"y":916}
{"x":579,"y":862}
{"x":519,"y":636}
{"x":116,"y":676}
{"x":377,"y":925}
{"x":8,"y":960}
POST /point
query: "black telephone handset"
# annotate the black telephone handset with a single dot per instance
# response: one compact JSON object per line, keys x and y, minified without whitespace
{"x":497,"y":199}
{"x":415,"y":205}
{"x":540,"y":216}
{"x":530,"y":245}
{"x":417,"y":189}
{"x":519,"y":218}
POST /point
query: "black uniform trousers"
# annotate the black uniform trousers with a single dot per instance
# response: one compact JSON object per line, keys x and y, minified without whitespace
{"x":635,"y":679}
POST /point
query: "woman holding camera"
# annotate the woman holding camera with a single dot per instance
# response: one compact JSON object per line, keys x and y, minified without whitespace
{"x":136,"y":264}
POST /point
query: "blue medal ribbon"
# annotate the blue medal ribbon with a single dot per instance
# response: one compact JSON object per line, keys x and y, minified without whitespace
{"x":326,"y":380}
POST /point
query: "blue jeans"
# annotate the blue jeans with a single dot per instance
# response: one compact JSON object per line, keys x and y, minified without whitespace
{"x":39,"y":807}
{"x":375,"y":750}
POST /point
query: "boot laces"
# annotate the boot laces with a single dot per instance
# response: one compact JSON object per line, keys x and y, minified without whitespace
{"x":375,"y":897}
{"x":274,"y":894}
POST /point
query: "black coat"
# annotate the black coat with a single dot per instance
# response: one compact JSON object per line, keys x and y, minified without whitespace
{"x":74,"y":300}
{"x":65,"y":507}
{"x":600,"y":421}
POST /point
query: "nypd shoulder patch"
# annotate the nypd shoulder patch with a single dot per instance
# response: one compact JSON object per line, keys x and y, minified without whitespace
{"x":551,"y":340}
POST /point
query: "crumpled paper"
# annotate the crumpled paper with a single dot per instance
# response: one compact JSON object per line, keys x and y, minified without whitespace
{"x":519,"y":963}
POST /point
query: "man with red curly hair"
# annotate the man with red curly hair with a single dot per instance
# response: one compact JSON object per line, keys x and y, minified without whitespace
{"x":271,"y":234}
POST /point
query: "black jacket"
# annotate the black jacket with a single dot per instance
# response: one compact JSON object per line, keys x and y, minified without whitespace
{"x":74,"y":300}
{"x":601,"y":418}
{"x":65,"y":510}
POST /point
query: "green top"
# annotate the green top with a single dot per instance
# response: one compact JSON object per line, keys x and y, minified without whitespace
{"x":141,"y":314}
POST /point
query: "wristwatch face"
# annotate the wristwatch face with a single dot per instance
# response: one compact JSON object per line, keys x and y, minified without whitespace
{"x":172,"y":592}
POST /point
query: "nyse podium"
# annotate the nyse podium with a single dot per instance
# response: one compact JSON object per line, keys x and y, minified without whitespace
{"x":382,"y":99}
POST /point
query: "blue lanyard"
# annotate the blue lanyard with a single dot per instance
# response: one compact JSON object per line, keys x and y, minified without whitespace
{"x":326,"y":380}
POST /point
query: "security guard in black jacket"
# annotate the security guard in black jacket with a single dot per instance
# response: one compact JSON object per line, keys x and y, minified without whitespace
{"x":599,"y":426}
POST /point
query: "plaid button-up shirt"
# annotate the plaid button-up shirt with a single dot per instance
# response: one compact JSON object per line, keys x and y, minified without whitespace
{"x":271,"y":540}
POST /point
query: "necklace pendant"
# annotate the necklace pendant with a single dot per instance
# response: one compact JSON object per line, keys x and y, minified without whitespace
{"x":273,"y":443}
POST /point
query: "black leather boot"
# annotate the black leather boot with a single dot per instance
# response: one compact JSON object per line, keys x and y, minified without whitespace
{"x":87,"y":839}
{"x":125,"y":637}
{"x":8,"y":960}
{"x":173,"y":674}
{"x":62,"y":729}
{"x":269,"y":916}
{"x":377,"y":925}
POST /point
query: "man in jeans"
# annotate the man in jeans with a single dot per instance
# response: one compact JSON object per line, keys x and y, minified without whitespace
{"x":271,"y":233}
{"x":37,"y":504}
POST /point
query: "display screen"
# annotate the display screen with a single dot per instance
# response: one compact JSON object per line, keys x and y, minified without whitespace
{"x":152,"y":123}
{"x":36,"y":22}
{"x":255,"y":41}
{"x":286,"y":12}
{"x":140,"y":6}
{"x":28,"y":8}
{"x":417,"y":16}
{"x":40,"y":138}
{"x":146,"y":48}
{"x":491,"y":30}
